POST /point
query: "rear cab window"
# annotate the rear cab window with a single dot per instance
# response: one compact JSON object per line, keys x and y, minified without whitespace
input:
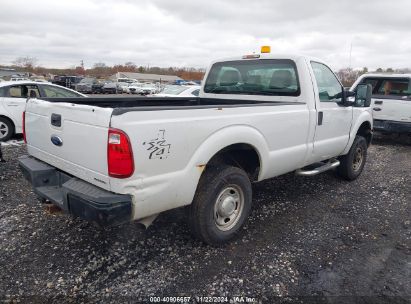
{"x":271,"y":77}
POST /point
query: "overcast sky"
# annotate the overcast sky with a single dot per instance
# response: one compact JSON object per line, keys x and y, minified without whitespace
{"x":192,"y":33}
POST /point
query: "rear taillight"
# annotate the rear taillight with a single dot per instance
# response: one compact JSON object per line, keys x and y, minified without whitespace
{"x":24,"y":127}
{"x":119,"y":154}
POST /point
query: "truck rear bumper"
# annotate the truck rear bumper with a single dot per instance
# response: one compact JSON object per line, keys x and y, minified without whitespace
{"x":76,"y":196}
{"x":392,"y":126}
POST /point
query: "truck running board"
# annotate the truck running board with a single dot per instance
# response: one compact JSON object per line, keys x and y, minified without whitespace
{"x":317,"y":168}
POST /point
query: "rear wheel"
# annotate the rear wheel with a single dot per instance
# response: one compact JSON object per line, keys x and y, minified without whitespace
{"x":353,"y":163}
{"x":221,"y":204}
{"x":6,"y":129}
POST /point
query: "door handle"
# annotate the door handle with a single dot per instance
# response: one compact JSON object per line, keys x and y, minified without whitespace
{"x":376,"y":109}
{"x":320,"y":118}
{"x":379,"y":102}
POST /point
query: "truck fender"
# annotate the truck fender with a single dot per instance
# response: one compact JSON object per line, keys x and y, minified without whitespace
{"x":222,"y":138}
{"x":363,"y":117}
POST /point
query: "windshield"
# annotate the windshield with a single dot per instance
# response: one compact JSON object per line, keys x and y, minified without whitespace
{"x":254,"y":77}
{"x":174,"y":90}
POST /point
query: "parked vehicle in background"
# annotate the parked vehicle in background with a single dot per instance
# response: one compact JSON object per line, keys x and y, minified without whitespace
{"x":135,"y":88}
{"x":18,"y":78}
{"x":123,"y":87}
{"x":179,"y":91}
{"x":257,"y":116}
{"x":391,"y":101}
{"x":110,"y":88}
{"x":148,"y":89}
{"x":86,"y":85}
{"x":97,"y":87}
{"x":67,"y":81}
{"x":13,"y":97}
{"x":39,"y":80}
{"x":127,"y":80}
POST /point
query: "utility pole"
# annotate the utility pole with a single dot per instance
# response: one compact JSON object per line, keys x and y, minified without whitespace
{"x":350,"y":55}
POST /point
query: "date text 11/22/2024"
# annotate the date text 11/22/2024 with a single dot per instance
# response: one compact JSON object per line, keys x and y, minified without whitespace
{"x":203,"y":299}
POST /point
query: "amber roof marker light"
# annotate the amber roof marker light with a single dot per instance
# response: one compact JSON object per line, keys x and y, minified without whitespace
{"x":265,"y":49}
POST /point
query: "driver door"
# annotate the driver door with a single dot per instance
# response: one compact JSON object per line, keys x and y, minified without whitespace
{"x":333,"y":119}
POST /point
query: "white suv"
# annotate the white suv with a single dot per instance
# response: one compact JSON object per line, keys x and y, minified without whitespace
{"x":391,"y":101}
{"x":13,"y":96}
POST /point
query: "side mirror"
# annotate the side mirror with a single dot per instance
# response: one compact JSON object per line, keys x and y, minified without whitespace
{"x":363,"y":95}
{"x":347,"y":98}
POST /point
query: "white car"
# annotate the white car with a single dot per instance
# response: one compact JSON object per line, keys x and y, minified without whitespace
{"x":113,"y":160}
{"x":391,"y":101}
{"x":124,"y":86}
{"x":13,"y":97}
{"x":134,"y":88}
{"x":143,"y":88}
{"x":179,"y":91}
{"x":148,"y":89}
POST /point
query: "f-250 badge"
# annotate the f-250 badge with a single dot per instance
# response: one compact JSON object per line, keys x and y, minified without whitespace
{"x":158,"y":147}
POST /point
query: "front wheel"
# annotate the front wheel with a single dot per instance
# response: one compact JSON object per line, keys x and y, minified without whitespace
{"x":353,"y":163}
{"x":221,"y":204}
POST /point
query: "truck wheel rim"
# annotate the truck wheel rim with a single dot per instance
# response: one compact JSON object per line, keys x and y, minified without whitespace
{"x":228,"y":207}
{"x":358,"y":158}
{"x":4,"y":130}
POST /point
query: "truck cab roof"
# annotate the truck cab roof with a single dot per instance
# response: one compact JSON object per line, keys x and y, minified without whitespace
{"x":294,"y":57}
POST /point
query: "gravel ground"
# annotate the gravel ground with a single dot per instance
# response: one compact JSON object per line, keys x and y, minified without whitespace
{"x":311,"y":240}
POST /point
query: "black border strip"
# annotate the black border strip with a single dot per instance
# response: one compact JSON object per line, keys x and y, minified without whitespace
{"x":120,"y":111}
{"x":123,"y":105}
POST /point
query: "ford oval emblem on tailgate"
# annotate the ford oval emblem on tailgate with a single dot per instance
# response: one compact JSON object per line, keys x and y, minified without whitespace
{"x":56,"y":140}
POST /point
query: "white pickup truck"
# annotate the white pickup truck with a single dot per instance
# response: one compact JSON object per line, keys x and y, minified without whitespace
{"x":113,"y":160}
{"x":391,"y":101}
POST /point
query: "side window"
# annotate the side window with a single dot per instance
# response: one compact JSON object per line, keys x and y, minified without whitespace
{"x":52,"y":91}
{"x":394,"y":87}
{"x":3,"y":92}
{"x":33,"y":91}
{"x":195,"y":92}
{"x":373,"y":82}
{"x":18,"y":92}
{"x":329,"y":88}
{"x":24,"y":91}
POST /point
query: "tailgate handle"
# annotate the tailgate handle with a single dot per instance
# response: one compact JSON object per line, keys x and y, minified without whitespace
{"x":56,"y":120}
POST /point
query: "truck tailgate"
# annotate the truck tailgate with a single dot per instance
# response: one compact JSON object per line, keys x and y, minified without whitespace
{"x":70,"y":137}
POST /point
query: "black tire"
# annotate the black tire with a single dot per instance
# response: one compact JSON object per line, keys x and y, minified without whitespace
{"x":6,"y":129}
{"x":222,"y":189}
{"x":353,"y":163}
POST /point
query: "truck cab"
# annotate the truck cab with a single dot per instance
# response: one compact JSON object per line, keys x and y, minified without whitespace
{"x":297,"y":80}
